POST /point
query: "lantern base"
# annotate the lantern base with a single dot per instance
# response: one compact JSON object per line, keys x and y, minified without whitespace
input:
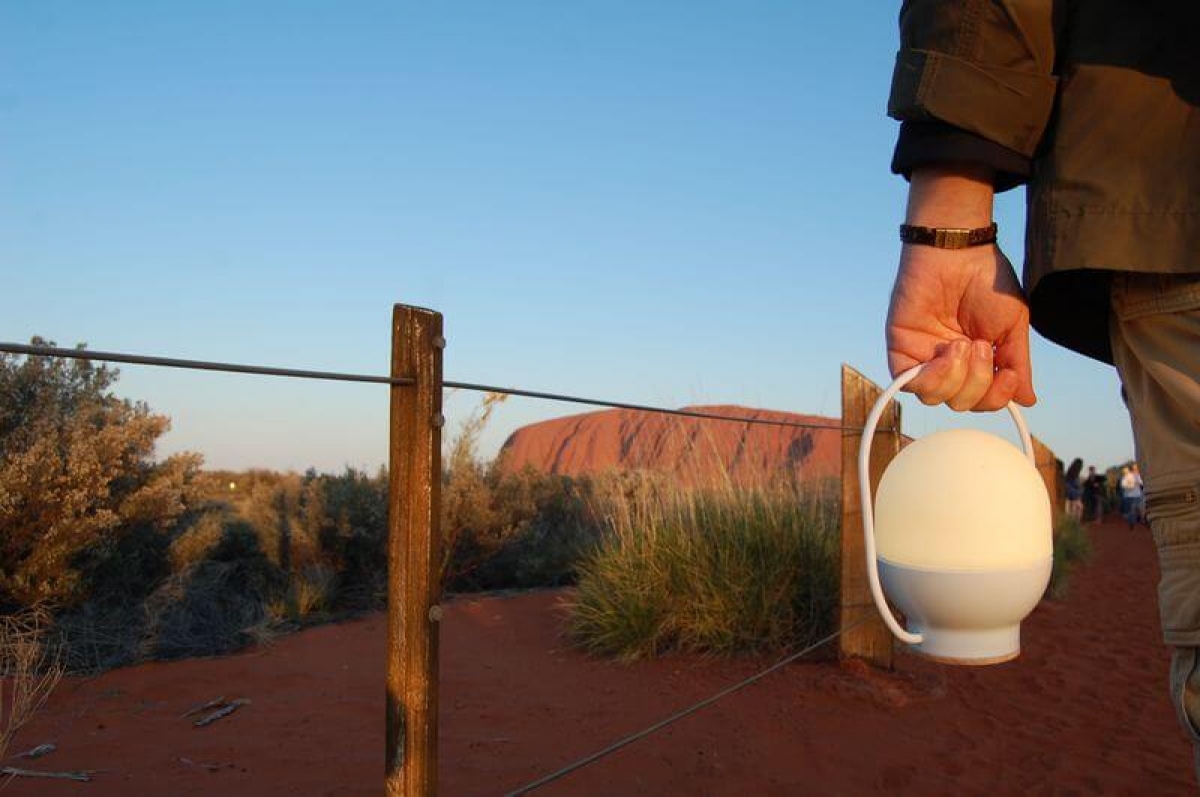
{"x":966,"y":616}
{"x":975,"y":648}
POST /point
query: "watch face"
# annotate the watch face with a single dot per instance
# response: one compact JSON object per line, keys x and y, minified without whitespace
{"x":951,"y":238}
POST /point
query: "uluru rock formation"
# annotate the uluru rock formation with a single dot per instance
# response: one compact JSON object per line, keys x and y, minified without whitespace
{"x":695,"y":451}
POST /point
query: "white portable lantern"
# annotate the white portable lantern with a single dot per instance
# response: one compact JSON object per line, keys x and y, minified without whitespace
{"x":960,"y":536}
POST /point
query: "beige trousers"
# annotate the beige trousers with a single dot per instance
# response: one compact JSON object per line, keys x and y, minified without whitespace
{"x":1155,"y":333}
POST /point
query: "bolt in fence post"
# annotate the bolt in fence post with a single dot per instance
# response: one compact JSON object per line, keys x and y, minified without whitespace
{"x":870,"y":641}
{"x":414,"y":553}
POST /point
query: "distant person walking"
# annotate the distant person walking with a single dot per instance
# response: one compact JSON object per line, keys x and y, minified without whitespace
{"x":1124,"y":484}
{"x":1074,"y":485}
{"x":1132,"y":500}
{"x":1093,"y":496}
{"x":1131,"y":495}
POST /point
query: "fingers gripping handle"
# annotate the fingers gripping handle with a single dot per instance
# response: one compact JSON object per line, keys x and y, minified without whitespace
{"x":868,"y":509}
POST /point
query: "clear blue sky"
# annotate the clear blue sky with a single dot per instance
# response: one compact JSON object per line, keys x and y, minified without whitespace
{"x":668,"y":202}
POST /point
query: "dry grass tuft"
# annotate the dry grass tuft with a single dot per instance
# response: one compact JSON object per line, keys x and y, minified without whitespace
{"x":722,"y":570}
{"x":30,"y":668}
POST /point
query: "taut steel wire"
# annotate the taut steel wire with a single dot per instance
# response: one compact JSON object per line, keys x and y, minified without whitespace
{"x":196,"y":365}
{"x":692,"y":709}
{"x":622,"y":405}
{"x":263,"y":370}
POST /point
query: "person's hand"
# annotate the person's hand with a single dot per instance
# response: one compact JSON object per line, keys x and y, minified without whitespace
{"x":949,"y":309}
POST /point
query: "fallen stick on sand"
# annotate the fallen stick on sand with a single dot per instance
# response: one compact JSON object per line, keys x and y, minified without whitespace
{"x":82,"y":776}
{"x":201,"y":764}
{"x":39,"y":751}
{"x":216,"y":701}
{"x":224,"y":711}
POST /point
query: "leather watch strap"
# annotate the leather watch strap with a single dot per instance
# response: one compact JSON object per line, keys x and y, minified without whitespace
{"x":948,"y":237}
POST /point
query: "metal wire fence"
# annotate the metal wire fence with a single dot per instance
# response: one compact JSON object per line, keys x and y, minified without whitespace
{"x":265,"y":370}
{"x":37,"y":350}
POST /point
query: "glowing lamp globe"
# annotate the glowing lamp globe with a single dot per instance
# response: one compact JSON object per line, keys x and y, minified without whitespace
{"x":959,"y":538}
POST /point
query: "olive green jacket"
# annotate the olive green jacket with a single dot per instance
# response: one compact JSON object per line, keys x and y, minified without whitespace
{"x":1100,"y":98}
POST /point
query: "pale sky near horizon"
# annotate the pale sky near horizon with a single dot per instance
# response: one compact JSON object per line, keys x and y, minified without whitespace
{"x":670,"y":202}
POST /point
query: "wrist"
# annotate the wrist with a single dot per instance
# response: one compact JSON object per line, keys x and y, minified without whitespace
{"x":953,"y":195}
{"x":948,"y":237}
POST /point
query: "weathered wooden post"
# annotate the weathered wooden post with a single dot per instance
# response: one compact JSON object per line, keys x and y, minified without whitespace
{"x":870,"y":641}
{"x":414,"y":553}
{"x":1049,"y":468}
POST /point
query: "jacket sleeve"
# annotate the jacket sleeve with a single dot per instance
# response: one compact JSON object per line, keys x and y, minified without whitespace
{"x":975,"y":69}
{"x":936,"y":143}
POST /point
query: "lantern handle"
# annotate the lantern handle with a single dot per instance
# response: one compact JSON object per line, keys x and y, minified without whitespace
{"x":868,"y":509}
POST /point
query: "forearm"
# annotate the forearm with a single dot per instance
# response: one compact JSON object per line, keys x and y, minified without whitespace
{"x":954,"y":195}
{"x":959,"y":311}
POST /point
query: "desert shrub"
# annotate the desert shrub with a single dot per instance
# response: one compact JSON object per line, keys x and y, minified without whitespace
{"x":76,"y":473}
{"x":326,"y":532}
{"x":208,"y":591}
{"x":503,"y":530}
{"x":125,"y":568}
{"x":719,"y":571}
{"x":106,"y":627}
{"x":274,"y":505}
{"x":1071,"y":546}
{"x":197,"y":540}
{"x":216,"y":605}
{"x":537,"y":529}
{"x":473,"y":522}
{"x":347,"y":516}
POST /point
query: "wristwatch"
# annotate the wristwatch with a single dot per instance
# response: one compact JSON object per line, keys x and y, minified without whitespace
{"x":948,"y":237}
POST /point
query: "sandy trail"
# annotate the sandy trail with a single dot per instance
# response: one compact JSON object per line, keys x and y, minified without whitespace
{"x":1083,"y":711}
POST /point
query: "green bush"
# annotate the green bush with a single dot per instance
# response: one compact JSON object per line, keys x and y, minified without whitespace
{"x":503,"y":530}
{"x":346,"y":514}
{"x":76,"y":475}
{"x":216,"y":605}
{"x":197,"y":539}
{"x":528,"y":530}
{"x":719,"y":571}
{"x":1071,"y":546}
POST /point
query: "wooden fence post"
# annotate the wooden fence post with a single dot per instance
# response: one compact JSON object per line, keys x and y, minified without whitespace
{"x":414,"y":553}
{"x":870,"y":641}
{"x":1050,"y":469}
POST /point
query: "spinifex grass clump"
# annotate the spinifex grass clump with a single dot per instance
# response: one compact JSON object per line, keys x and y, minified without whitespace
{"x":1071,"y":546}
{"x":719,"y":571}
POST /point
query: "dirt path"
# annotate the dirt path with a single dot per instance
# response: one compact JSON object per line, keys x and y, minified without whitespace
{"x":1083,"y":711}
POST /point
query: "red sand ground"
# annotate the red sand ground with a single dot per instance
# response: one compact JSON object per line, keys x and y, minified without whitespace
{"x":1083,"y":711}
